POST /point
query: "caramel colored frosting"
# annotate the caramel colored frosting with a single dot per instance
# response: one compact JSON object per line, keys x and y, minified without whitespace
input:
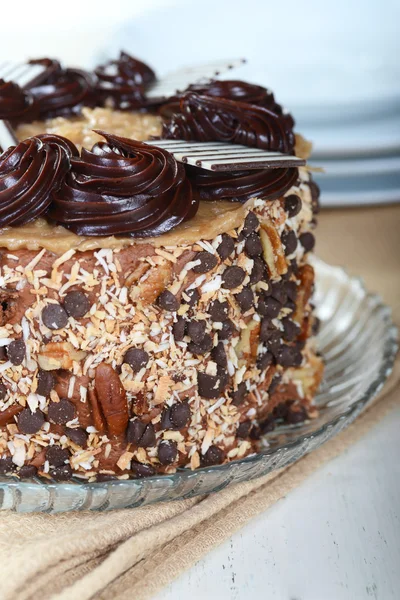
{"x":212,"y":219}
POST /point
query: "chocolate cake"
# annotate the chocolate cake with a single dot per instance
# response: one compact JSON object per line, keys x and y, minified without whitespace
{"x":154,"y":314}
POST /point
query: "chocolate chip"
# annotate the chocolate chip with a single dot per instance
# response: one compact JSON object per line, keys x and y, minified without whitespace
{"x":291,"y":290}
{"x":267,"y":425}
{"x":239,"y":395}
{"x":103,"y":477}
{"x":307,"y":240}
{"x":258,"y":272}
{"x":288,"y":356}
{"x":148,"y":437}
{"x":207,"y":262}
{"x":264,"y":361}
{"x":268,"y":307}
{"x":167,"y":452}
{"x":140,"y":470}
{"x":193,"y":296}
{"x":135,"y":431}
{"x":6,"y":465}
{"x":289,"y":240}
{"x":278,"y":291}
{"x":253,"y":245}
{"x":232,"y":277}
{"x":178,"y":329}
{"x":227,"y":330}
{"x":56,"y":456}
{"x":266,"y":329}
{"x":77,"y":435}
{"x":196,"y":331}
{"x":292,"y":205}
{"x":274,"y":341}
{"x":274,"y":384}
{"x":27,"y":471}
{"x":180,"y":414}
{"x":315,"y":193}
{"x":165,"y":419}
{"x":3,"y":355}
{"x":76,"y":304}
{"x":46,"y":382}
{"x":203,"y":347}
{"x":61,"y":412}
{"x":290,"y":329}
{"x":54,"y":316}
{"x":3,"y":391}
{"x":280,"y":411}
{"x":296,"y":415}
{"x":243,"y":429}
{"x":16,"y":352}
{"x":290,"y":305}
{"x":245,"y":299}
{"x":218,"y":311}
{"x":136,"y":359}
{"x":226,"y":247}
{"x":61,"y":473}
{"x":315,"y":327}
{"x":210,"y":386}
{"x":213,"y":456}
{"x":168,"y":301}
{"x":30,"y":422}
{"x":251,"y":224}
{"x":218,"y":355}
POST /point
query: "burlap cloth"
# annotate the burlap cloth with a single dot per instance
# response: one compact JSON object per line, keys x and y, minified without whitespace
{"x":133,"y":553}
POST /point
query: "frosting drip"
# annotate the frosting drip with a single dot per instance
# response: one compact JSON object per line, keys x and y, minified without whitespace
{"x":123,"y":186}
{"x":64,"y":91}
{"x":29,"y":173}
{"x":206,"y":118}
{"x":14,"y":102}
{"x":241,"y":186}
{"x":123,"y":82}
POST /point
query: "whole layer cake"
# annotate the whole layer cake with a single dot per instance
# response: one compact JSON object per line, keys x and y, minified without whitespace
{"x":152,"y":316}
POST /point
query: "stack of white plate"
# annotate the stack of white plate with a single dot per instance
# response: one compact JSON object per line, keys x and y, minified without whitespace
{"x":360,"y":158}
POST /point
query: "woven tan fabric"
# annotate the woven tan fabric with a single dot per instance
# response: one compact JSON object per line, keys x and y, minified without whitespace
{"x":115,"y":555}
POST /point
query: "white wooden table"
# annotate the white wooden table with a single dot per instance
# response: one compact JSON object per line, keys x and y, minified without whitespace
{"x":336,"y":537}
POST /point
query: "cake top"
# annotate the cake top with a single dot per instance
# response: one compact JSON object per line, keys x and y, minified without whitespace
{"x":121,"y":186}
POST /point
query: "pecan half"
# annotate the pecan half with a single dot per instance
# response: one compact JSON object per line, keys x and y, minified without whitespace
{"x":112,"y":398}
{"x":98,"y":419}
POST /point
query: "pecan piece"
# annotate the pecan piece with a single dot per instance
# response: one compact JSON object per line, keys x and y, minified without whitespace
{"x":247,"y":346}
{"x":147,"y":291}
{"x":98,"y":419}
{"x":273,"y":252}
{"x":7,"y":416}
{"x":59,"y":355}
{"x":304,"y":292}
{"x":112,"y":398}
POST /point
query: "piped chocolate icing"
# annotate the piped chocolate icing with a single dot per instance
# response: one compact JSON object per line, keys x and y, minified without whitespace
{"x":123,"y":186}
{"x":64,"y":91}
{"x":206,"y":118}
{"x":241,"y":186}
{"x":123,"y":81}
{"x":29,"y":173}
{"x":14,"y":102}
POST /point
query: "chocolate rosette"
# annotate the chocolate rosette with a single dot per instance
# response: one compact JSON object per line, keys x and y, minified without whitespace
{"x":64,"y":92}
{"x":240,"y":186}
{"x":29,"y":173}
{"x":122,"y":82}
{"x":205,"y":118}
{"x":233,"y":89}
{"x":14,"y":102}
{"x":124,"y":187}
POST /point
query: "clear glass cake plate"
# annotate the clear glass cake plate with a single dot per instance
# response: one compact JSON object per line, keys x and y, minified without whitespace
{"x":358,"y":341}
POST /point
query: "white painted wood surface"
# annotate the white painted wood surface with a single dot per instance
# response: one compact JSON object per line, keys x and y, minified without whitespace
{"x":336,"y":537}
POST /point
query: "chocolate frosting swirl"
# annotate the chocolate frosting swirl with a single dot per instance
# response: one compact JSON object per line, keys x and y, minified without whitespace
{"x":123,"y":186}
{"x":123,"y":81}
{"x":206,"y":118}
{"x":29,"y":173}
{"x":14,"y":102}
{"x":268,"y":184}
{"x":231,"y":90}
{"x":64,"y":91}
